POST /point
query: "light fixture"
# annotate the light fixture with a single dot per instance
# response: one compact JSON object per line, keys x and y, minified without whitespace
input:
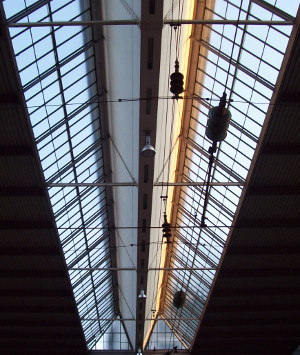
{"x":148,"y":151}
{"x":142,"y":294}
{"x":139,"y":352}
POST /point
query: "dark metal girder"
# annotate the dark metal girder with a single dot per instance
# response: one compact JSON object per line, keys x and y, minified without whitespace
{"x":16,"y":225}
{"x":243,"y":333}
{"x":14,"y":150}
{"x":268,"y":223}
{"x":283,"y":149}
{"x":21,"y":293}
{"x":9,"y":99}
{"x":52,"y":309}
{"x":50,"y":333}
{"x":236,"y":345}
{"x":282,"y":272}
{"x":21,"y":191}
{"x":44,"y":323}
{"x":257,"y":321}
{"x":289,"y":98}
{"x":273,"y":190}
{"x":252,"y":308}
{"x":19,"y":251}
{"x":32,"y":274}
{"x":246,"y":292}
{"x":264,"y":250}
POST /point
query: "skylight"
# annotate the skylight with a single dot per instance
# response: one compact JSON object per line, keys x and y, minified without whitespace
{"x":57,"y":71}
{"x":244,"y":62}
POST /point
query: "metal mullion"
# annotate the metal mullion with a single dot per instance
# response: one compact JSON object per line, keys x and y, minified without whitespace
{"x":189,"y":163}
{"x":234,"y":63}
{"x":104,"y":293}
{"x":55,"y":150}
{"x":67,"y":204}
{"x":88,"y":273}
{"x":90,"y":292}
{"x":250,"y":103}
{"x":227,"y":156}
{"x":77,"y":232}
{"x":87,"y":251}
{"x":237,"y":78}
{"x":75,"y":115}
{"x":32,"y":44}
{"x":47,"y":86}
{"x":50,"y":131}
{"x":265,"y":42}
{"x":35,"y":61}
{"x":243,"y":48}
{"x":60,"y":8}
{"x":98,"y":192}
{"x":242,"y":129}
{"x":54,"y":163}
{"x":212,"y":235}
{"x":27,"y":11}
{"x":85,"y":139}
{"x":252,"y":15}
{"x":196,"y":251}
{"x":200,"y":174}
{"x":75,"y":83}
{"x":87,"y":126}
{"x":194,"y":274}
{"x":187,"y":205}
{"x":52,"y":70}
{"x":216,"y":162}
{"x":72,"y":202}
{"x":73,"y":163}
{"x":98,"y":172}
{"x":84,"y":61}
{"x":214,"y":202}
{"x":75,"y":34}
{"x":186,"y":286}
{"x":188,"y":215}
{"x":59,"y":107}
{"x":271,"y":26}
{"x":37,"y":92}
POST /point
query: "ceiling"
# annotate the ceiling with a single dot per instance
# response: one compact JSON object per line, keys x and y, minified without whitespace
{"x":82,"y":236}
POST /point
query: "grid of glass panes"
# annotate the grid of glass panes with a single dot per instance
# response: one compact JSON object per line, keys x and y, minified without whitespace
{"x":246,"y":69}
{"x":56,"y":67}
{"x":114,"y":338}
{"x":163,"y":337}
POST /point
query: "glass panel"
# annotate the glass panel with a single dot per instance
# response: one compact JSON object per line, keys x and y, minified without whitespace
{"x":244,"y":62}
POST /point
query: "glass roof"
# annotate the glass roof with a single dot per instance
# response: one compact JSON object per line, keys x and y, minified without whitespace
{"x":57,"y":71}
{"x":244,"y":61}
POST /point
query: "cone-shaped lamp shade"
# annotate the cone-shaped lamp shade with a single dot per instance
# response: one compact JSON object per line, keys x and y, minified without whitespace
{"x":148,"y":151}
{"x":142,"y":294}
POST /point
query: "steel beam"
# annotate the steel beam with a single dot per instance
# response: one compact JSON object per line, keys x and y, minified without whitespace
{"x":177,"y":22}
{"x":199,"y":183}
{"x":92,"y":184}
{"x":143,"y":270}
